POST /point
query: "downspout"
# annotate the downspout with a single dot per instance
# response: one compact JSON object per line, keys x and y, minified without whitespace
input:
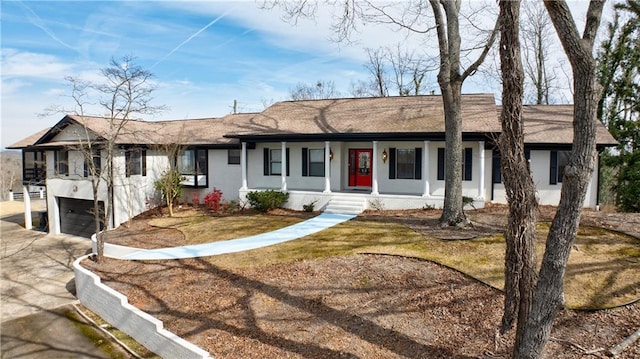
{"x":493,"y":173}
{"x":598,"y":178}
{"x":112,"y":194}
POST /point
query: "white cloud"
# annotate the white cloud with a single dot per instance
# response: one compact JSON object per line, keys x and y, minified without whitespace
{"x":16,"y":64}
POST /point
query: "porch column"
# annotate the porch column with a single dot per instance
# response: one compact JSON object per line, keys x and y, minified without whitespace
{"x":243,"y":165}
{"x":481,"y":191}
{"x":327,"y":167}
{"x":374,"y":169}
{"x":28,"y":224}
{"x":283,"y":165}
{"x":425,"y":169}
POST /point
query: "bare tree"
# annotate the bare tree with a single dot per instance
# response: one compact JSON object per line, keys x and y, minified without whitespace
{"x":537,"y":36}
{"x":320,"y":90}
{"x":408,"y":69}
{"x":125,"y":93}
{"x":548,"y":297}
{"x":520,"y":263}
{"x":413,"y":17}
{"x":379,"y":77}
{"x":11,"y":172}
{"x":393,"y":68}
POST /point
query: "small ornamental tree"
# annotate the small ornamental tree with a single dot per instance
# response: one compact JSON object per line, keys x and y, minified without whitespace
{"x":170,"y":187}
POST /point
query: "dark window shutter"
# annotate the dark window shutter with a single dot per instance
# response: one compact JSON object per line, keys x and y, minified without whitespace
{"x":553,"y":170}
{"x":287,"y":159}
{"x":86,"y":169}
{"x":440,"y":164}
{"x":143,"y":159}
{"x":527,"y":154}
{"x":418,"y":174}
{"x":265,"y":162}
{"x":305,"y":162}
{"x":496,"y":176}
{"x":127,"y":160}
{"x":468,"y":163}
{"x":392,"y":163}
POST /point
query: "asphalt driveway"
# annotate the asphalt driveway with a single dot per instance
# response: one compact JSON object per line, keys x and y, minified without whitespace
{"x":37,"y":291}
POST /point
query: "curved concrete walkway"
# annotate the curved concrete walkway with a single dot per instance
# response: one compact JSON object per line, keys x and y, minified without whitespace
{"x":299,"y":230}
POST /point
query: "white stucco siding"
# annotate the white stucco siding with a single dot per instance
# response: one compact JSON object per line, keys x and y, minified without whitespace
{"x":469,"y":188}
{"x":296,"y":180}
{"x":488,"y":174}
{"x":398,"y":185}
{"x":74,"y":185}
{"x":255,"y":172}
{"x":223,"y":176}
{"x":548,"y":194}
{"x":131,"y":194}
{"x":73,"y":132}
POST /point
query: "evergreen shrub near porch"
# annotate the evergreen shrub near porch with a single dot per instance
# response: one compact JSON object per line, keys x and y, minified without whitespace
{"x":264,"y":201}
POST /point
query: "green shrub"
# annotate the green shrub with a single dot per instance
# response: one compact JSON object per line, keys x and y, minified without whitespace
{"x":309,"y":207}
{"x":264,"y":201}
{"x":467,"y":201}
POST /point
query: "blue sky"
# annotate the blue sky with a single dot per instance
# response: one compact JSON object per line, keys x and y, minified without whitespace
{"x":204,"y":55}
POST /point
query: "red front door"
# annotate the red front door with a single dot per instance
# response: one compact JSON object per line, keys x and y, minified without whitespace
{"x":360,"y":167}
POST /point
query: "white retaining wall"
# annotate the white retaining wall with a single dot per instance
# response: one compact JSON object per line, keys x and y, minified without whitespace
{"x":114,"y":307}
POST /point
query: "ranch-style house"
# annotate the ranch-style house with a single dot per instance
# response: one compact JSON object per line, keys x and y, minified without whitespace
{"x":343,"y":155}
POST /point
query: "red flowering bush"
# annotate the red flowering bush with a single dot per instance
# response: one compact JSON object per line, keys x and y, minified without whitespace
{"x":213,"y":200}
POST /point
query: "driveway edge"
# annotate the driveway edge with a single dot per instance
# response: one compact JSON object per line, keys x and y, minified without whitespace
{"x":114,"y":308}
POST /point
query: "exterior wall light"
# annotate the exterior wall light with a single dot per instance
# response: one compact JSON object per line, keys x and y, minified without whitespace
{"x":384,"y":156}
{"x":330,"y":155}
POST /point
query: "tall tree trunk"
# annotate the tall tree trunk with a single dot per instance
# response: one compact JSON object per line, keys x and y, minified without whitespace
{"x":549,"y":296}
{"x":450,"y":82}
{"x":452,"y":212}
{"x":520,"y":263}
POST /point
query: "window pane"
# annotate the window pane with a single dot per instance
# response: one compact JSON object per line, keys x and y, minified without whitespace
{"x":316,"y":169}
{"x":276,"y":155}
{"x":233,"y":157}
{"x":136,"y":163}
{"x":202,"y":162}
{"x":63,"y":162}
{"x":316,"y":162}
{"x":316,"y":155}
{"x":276,"y":168}
{"x":405,"y":163}
{"x":186,"y":163}
{"x":276,"y":162}
{"x":563,"y":161}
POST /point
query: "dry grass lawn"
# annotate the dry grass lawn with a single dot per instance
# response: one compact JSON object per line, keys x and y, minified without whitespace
{"x":602,"y":271}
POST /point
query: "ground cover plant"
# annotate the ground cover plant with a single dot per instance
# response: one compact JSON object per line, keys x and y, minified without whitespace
{"x":318,"y":297}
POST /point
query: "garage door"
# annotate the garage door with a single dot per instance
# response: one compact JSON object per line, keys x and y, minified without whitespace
{"x":76,"y":216}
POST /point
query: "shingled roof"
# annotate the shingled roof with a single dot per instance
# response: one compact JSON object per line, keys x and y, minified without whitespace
{"x":375,"y":115}
{"x":553,"y":124}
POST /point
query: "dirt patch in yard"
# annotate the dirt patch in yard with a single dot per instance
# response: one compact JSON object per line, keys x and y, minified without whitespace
{"x":353,"y":306}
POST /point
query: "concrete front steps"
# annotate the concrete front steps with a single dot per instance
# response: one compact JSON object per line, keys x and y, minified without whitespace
{"x":346,"y":205}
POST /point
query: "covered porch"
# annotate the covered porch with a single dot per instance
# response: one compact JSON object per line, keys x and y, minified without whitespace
{"x":351,"y":176}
